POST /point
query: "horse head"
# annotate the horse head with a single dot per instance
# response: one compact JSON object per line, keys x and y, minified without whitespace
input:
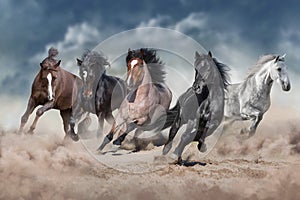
{"x":49,"y":72}
{"x":91,"y":68}
{"x":135,"y":68}
{"x":278,"y":72}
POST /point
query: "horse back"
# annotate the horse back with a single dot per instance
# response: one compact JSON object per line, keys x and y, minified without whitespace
{"x":110,"y":93}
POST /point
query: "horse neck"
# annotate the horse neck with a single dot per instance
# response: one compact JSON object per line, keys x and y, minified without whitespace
{"x":263,"y":79}
{"x":99,"y":76}
{"x":147,"y":77}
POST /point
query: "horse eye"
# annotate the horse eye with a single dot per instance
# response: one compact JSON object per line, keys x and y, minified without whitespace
{"x":279,"y":69}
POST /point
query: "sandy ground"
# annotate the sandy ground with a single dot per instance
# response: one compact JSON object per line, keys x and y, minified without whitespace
{"x":266,"y":166}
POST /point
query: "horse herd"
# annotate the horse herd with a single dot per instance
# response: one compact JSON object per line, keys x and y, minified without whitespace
{"x":143,"y":99}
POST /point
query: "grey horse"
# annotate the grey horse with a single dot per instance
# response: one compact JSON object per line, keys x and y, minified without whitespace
{"x":250,"y":99}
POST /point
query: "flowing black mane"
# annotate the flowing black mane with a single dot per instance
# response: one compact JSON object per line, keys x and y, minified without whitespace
{"x":94,"y":58}
{"x":223,"y":69}
{"x":155,"y":65}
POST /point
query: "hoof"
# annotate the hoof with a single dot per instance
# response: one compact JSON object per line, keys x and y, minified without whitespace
{"x":30,"y":132}
{"x":202,"y":147}
{"x":244,"y":131}
{"x":167,"y":148}
{"x":180,"y":161}
{"x":104,"y":143}
{"x":74,"y":137}
{"x":117,"y":142}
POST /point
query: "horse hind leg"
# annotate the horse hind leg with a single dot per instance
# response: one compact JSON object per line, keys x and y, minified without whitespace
{"x":30,"y":108}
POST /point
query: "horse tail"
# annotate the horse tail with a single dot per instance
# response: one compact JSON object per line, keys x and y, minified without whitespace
{"x":171,"y":115}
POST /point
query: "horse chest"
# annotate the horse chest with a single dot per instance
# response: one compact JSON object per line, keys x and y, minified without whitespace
{"x":258,"y":99}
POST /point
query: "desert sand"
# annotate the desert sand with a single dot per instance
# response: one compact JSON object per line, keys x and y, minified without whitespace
{"x":266,"y":166}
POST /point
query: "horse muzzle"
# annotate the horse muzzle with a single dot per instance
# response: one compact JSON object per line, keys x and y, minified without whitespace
{"x":50,"y":98}
{"x":87,"y":94}
{"x":286,"y":86}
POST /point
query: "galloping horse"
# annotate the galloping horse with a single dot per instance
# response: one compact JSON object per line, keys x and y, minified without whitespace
{"x":53,"y":88}
{"x":146,"y":104}
{"x":250,"y":99}
{"x":101,"y":94}
{"x":201,"y":107}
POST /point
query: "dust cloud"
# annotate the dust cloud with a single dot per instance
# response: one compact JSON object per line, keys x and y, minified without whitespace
{"x":266,"y":166}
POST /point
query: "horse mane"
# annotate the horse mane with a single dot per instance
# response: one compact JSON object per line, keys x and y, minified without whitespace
{"x":260,"y":63}
{"x":223,"y":69}
{"x":155,"y":65}
{"x":95,"y":58}
{"x":52,"y":52}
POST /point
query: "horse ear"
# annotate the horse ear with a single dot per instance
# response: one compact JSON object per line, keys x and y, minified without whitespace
{"x":197,"y":54}
{"x":210,"y":54}
{"x":57,"y":64}
{"x":141,"y":51}
{"x":129,"y":51}
{"x":283,"y":56}
{"x":276,"y":59}
{"x":79,"y":62}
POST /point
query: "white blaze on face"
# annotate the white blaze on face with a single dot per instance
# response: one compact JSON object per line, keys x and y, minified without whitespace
{"x":132,"y":64}
{"x":50,"y":92}
{"x":84,"y":75}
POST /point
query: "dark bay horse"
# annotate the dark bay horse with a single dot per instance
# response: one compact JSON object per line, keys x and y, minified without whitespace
{"x":148,"y":100}
{"x":201,"y":107}
{"x":101,"y":94}
{"x":53,"y":88}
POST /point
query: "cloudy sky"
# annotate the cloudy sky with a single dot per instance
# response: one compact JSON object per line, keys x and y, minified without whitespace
{"x":237,"y":32}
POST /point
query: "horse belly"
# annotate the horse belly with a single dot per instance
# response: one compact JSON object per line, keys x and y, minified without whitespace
{"x":232,"y":102}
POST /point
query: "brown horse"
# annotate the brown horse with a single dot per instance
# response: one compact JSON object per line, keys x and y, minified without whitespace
{"x":53,"y":88}
{"x":145,"y":106}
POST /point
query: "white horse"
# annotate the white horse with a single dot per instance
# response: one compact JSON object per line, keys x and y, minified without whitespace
{"x":250,"y":99}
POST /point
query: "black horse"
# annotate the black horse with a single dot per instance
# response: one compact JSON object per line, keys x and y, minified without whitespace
{"x":101,"y":94}
{"x":201,"y":107}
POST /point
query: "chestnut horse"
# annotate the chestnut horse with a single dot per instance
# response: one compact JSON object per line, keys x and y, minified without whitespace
{"x":53,"y":88}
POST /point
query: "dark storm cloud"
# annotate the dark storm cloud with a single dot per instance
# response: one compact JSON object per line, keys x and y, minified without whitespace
{"x":28,"y":26}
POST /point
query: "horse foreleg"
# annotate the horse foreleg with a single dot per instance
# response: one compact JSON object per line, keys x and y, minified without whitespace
{"x":254,"y":115}
{"x":123,"y":133}
{"x":66,"y":115}
{"x":108,"y":137}
{"x":172,"y":133}
{"x":254,"y":124}
{"x":30,"y":108}
{"x":39,"y":113}
{"x":76,"y":114}
{"x":186,"y":138}
{"x":101,"y":124}
{"x":33,"y":125}
{"x":110,"y":118}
